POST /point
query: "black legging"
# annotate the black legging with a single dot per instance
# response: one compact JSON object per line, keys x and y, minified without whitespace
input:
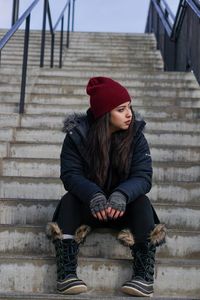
{"x":138,"y":217}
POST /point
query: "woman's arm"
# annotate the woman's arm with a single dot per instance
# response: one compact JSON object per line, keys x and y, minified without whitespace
{"x":140,"y":178}
{"x":72,"y":173}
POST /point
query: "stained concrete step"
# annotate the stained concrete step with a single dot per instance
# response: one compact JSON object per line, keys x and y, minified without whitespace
{"x":27,"y":274}
{"x":90,"y":296}
{"x":129,"y":83}
{"x":52,"y":188}
{"x":154,"y":137}
{"x":40,"y":211}
{"x":10,"y":100}
{"x":118,"y":75}
{"x":149,"y":112}
{"x":9,"y":108}
{"x":56,"y":122}
{"x":36,"y":150}
{"x":153,"y":75}
{"x":163,"y":171}
{"x":32,"y":240}
{"x":175,"y":216}
{"x":136,"y":91}
{"x":69,"y":57}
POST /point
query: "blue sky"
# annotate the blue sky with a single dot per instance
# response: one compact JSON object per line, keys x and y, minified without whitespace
{"x":91,"y":15}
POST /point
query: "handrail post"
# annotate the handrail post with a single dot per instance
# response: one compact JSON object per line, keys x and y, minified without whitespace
{"x":52,"y":49}
{"x":73,"y":13}
{"x":61,"y":42}
{"x":68,"y":24}
{"x":24,"y":66}
{"x":15,"y":11}
{"x":43,"y":34}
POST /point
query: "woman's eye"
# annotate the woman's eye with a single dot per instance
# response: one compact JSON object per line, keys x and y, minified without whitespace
{"x":120,"y":110}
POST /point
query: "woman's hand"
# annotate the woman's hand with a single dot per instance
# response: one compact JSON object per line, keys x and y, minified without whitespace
{"x":116,"y":205}
{"x":98,"y":206}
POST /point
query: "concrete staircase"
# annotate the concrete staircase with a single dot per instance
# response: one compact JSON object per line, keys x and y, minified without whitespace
{"x":29,"y":167}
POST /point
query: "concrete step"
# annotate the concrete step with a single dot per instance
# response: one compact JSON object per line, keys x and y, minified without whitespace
{"x":9,"y":99}
{"x":9,"y":120}
{"x":56,"y":122}
{"x":176,"y":216}
{"x":118,"y":75}
{"x":29,"y":211}
{"x":137,"y":91}
{"x":9,"y":108}
{"x":129,"y":83}
{"x":52,"y":188}
{"x":159,"y":153}
{"x":56,"y":136}
{"x":28,"y":274}
{"x":95,"y":295}
{"x":32,"y":240}
{"x":171,"y":112}
{"x":163,"y":171}
{"x":3,"y":149}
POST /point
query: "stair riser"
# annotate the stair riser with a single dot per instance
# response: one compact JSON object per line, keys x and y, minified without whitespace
{"x":53,"y":189}
{"x":61,"y":80}
{"x":39,"y":214}
{"x":51,"y":169}
{"x":136,"y":92}
{"x":55,"y":122}
{"x":31,"y":277}
{"x":182,"y":113}
{"x":37,"y":121}
{"x":34,"y":241}
{"x":53,"y":151}
{"x":3,"y":149}
{"x":154,"y":139}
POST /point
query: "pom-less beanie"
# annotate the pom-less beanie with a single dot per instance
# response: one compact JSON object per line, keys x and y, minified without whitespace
{"x":105,"y":94}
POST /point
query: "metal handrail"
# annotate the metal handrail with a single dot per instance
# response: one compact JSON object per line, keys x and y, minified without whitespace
{"x":178,"y":53}
{"x":47,"y":12}
{"x":16,"y":26}
{"x":26,"y":16}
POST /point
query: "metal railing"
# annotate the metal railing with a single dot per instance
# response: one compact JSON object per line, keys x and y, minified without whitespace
{"x":60,"y":20}
{"x":177,"y":36}
{"x":26,"y":18}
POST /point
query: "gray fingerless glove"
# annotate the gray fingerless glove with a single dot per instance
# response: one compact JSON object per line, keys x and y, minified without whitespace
{"x":98,"y":203}
{"x":117,"y":200}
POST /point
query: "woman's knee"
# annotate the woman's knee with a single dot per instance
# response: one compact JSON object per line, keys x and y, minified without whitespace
{"x":142,"y":202}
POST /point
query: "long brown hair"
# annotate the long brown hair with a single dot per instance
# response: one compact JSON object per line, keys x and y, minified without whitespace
{"x":104,"y":150}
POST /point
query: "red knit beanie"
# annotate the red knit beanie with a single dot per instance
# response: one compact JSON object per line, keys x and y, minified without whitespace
{"x":105,"y":94}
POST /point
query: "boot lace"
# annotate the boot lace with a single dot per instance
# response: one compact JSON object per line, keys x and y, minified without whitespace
{"x":66,"y":257}
{"x":143,"y":265}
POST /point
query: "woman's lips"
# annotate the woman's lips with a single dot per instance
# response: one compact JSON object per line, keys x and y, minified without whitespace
{"x":127,"y":122}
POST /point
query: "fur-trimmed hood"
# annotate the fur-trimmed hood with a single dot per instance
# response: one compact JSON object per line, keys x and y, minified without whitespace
{"x":82,"y":121}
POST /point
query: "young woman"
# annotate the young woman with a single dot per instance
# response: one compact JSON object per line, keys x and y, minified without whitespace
{"x":106,"y":168}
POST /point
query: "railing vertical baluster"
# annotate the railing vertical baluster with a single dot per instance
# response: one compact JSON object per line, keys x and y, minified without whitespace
{"x":24,"y":66}
{"x":52,"y":49}
{"x":43,"y":34}
{"x":15,"y":11}
{"x":68,"y":24}
{"x":73,"y":13}
{"x":61,"y":42}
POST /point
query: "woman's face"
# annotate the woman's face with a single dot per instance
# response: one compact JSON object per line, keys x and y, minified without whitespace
{"x":120,"y":117}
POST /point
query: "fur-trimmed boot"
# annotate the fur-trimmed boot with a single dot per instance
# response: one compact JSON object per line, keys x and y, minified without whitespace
{"x":143,"y":254}
{"x":66,"y":260}
{"x":142,"y":280}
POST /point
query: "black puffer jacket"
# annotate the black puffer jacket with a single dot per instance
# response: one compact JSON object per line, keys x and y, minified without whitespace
{"x":74,"y":165}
